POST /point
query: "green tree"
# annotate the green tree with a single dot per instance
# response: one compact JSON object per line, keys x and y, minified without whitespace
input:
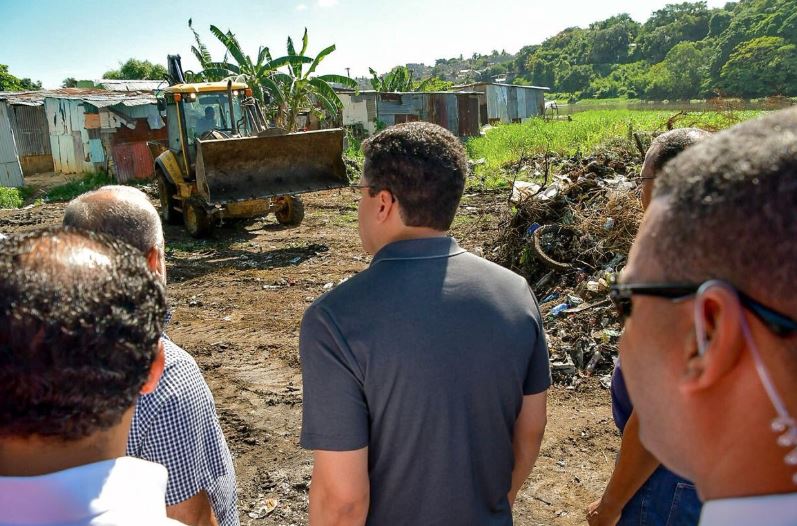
{"x":760,"y":67}
{"x":69,"y":82}
{"x":398,"y":79}
{"x":752,"y":19}
{"x":542,"y":72}
{"x":300,"y":88}
{"x":681,"y":74}
{"x":611,"y":39}
{"x":436,"y":84}
{"x":135,"y":69}
{"x":670,"y":25}
{"x":573,"y":79}
{"x":9,"y":82}
{"x":719,"y":22}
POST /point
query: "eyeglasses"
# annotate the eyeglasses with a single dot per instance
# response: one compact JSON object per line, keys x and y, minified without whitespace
{"x":621,"y":294}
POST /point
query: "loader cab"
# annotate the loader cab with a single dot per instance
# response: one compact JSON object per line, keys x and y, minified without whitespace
{"x":195,"y":110}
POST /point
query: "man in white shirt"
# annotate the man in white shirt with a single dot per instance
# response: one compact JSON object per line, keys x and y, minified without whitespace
{"x":80,"y":324}
{"x":710,"y":350}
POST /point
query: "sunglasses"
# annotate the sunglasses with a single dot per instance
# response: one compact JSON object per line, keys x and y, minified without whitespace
{"x":621,"y":295}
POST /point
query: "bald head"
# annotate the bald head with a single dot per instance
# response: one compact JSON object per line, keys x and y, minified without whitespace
{"x":663,"y":149}
{"x":122,"y":212}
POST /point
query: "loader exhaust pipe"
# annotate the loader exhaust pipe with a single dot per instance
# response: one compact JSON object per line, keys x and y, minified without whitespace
{"x":233,"y":124}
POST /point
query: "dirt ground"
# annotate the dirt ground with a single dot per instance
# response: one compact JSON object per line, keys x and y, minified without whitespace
{"x":237,"y":303}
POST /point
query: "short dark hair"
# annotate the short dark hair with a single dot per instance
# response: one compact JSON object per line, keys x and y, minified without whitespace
{"x":730,"y":210}
{"x":669,"y":144}
{"x":424,"y":166}
{"x":80,"y":320}
{"x":122,"y":212}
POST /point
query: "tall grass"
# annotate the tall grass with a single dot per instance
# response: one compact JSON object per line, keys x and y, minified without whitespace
{"x":588,"y":130}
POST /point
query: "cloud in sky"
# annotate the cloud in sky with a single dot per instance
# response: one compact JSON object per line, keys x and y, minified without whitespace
{"x":327,"y":3}
{"x":301,"y":7}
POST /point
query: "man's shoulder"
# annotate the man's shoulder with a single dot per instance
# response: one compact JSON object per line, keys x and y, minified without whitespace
{"x":490,"y":270}
{"x":351,"y":289}
{"x":176,"y":356}
{"x":181,"y":376}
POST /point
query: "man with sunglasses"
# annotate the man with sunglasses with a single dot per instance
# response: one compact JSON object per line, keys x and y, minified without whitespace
{"x":641,"y":490}
{"x":709,"y":348}
{"x":425,"y":375}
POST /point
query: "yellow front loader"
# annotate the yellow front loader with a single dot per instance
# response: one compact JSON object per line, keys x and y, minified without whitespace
{"x":222,"y":162}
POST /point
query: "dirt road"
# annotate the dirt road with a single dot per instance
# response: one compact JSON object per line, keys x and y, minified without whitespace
{"x":237,"y":302}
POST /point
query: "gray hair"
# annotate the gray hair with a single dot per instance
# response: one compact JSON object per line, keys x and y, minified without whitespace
{"x":668,"y":145}
{"x":122,"y":212}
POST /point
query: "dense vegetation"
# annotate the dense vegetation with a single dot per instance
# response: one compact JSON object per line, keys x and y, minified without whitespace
{"x":135,"y":70}
{"x":9,"y":82}
{"x":683,"y":51}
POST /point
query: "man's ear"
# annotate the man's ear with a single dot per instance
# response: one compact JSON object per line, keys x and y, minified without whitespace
{"x":155,"y":371}
{"x":387,"y":206}
{"x":153,"y":256}
{"x":722,"y":318}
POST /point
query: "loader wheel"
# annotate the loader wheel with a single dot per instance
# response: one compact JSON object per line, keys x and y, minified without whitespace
{"x":197,"y":221}
{"x":291,"y":213}
{"x":166,"y":192}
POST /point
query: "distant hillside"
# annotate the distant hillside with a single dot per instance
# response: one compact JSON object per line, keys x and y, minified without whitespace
{"x":683,"y":51}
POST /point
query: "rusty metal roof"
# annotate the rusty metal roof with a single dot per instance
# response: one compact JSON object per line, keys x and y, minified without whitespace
{"x":499,"y":84}
{"x":96,"y":97}
{"x":131,"y":85}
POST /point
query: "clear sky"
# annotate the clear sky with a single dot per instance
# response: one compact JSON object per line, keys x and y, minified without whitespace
{"x":50,"y":40}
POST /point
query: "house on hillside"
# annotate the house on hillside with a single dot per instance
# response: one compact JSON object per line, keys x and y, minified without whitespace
{"x":73,"y":130}
{"x":457,"y":112}
{"x":508,"y":102}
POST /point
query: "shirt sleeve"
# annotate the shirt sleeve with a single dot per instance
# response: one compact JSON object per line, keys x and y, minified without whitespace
{"x":538,"y":375}
{"x":185,"y":436}
{"x":334,"y":410}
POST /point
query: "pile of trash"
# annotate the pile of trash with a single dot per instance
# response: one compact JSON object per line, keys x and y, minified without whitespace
{"x":569,"y":238}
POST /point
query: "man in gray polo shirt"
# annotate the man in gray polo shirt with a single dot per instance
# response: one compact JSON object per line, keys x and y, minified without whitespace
{"x":425,"y":376}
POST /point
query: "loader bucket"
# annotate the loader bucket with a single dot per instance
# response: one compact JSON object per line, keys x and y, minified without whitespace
{"x":239,"y":169}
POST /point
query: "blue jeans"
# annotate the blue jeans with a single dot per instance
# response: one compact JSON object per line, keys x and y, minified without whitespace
{"x":664,"y":500}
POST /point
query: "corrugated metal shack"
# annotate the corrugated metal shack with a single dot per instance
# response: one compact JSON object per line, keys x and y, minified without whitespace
{"x":508,"y":102}
{"x":10,"y":170}
{"x":457,"y":112}
{"x":73,"y":130}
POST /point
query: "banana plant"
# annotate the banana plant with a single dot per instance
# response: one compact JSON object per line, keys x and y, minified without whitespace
{"x":399,"y":79}
{"x":253,"y":72}
{"x":300,"y":89}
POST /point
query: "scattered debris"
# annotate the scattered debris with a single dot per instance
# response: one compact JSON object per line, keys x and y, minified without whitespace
{"x":263,"y":509}
{"x":570,"y":239}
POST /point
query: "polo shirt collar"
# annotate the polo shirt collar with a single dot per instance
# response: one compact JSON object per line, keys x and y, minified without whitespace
{"x":772,"y":510}
{"x":126,"y":485}
{"x":422,"y":248}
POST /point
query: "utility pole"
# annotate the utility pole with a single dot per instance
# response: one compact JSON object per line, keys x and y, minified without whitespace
{"x":347,"y":72}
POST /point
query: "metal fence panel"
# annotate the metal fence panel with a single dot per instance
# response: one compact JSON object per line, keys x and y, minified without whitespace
{"x":10,"y":169}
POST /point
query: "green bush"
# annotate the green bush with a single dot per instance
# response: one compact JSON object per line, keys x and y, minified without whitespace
{"x":11,"y":197}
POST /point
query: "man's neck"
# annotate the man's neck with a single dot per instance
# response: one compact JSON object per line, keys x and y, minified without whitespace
{"x":37,"y":455}
{"x":748,"y":468}
{"x":411,"y":232}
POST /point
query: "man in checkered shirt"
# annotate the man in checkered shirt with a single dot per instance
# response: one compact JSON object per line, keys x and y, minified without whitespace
{"x":175,"y":425}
